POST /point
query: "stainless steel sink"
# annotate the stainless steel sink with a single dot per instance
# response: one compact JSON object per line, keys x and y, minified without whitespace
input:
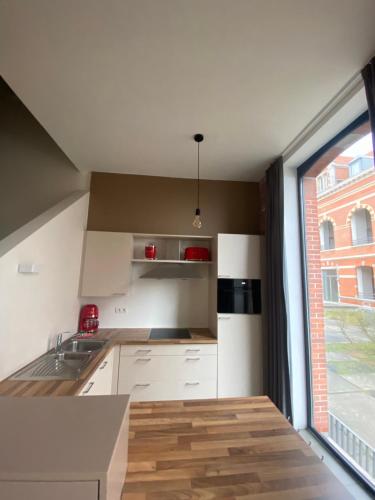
{"x":67,"y":364}
{"x":82,"y":345}
{"x":56,"y":366}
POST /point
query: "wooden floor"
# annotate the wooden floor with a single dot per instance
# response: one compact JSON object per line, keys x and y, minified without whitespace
{"x":226,"y":448}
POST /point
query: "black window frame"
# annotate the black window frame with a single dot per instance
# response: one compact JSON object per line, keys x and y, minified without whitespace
{"x":301,"y":171}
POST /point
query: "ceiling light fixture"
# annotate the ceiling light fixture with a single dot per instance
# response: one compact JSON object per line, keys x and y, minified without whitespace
{"x":197,"y":223}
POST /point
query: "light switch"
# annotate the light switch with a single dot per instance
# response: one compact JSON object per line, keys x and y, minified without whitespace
{"x":27,"y":268}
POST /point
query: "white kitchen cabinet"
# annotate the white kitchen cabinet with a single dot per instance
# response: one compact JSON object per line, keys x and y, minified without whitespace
{"x":106,"y":268}
{"x":172,"y":390}
{"x":240,"y":357}
{"x":190,"y":367}
{"x":101,"y":381}
{"x":238,"y":256}
{"x":166,"y":372}
{"x":63,"y":448}
{"x":169,"y":350}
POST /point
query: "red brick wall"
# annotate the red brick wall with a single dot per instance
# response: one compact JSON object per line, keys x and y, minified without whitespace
{"x":315,"y":297}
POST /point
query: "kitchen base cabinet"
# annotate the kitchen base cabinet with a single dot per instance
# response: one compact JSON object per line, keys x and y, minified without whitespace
{"x":101,"y":382}
{"x":63,"y":448}
{"x":169,"y":390}
{"x":157,"y":373}
{"x":190,"y":367}
{"x":43,"y":490}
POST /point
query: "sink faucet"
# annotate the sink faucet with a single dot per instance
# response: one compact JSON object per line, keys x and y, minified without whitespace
{"x":59,"y":343}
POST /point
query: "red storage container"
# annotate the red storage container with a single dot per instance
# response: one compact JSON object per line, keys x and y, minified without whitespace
{"x":150,"y":251}
{"x":197,"y":253}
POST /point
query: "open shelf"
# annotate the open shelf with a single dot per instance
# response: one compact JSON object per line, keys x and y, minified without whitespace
{"x":170,"y":249}
{"x":170,"y":252}
{"x":172,"y":236}
{"x":171,"y":261}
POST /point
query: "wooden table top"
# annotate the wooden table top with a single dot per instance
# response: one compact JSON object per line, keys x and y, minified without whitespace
{"x":225,"y":448}
{"x":115,"y":336}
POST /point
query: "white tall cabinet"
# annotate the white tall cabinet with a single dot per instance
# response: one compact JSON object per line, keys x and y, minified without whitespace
{"x":240,"y":352}
{"x":238,"y":256}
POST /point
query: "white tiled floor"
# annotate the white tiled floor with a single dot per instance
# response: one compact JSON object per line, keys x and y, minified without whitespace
{"x":346,"y":479}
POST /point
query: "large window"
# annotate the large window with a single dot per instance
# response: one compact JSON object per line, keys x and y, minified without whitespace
{"x":338,"y":211}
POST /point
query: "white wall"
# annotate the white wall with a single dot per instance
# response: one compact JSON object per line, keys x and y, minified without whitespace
{"x":157,"y":303}
{"x":35,"y":308}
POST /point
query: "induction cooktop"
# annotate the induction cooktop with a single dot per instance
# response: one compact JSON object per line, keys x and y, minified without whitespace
{"x":169,"y":333}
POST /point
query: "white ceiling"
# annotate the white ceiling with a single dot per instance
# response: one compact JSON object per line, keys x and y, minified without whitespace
{"x":123,"y":85}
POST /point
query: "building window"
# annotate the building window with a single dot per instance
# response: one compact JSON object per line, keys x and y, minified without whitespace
{"x":325,"y":181}
{"x":340,"y":332}
{"x":361,"y":227}
{"x":327,"y":238}
{"x":365,"y":282}
{"x":360,"y":165}
{"x":330,"y":286}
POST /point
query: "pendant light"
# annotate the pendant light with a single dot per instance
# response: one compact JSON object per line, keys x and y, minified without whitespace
{"x":197,"y":223}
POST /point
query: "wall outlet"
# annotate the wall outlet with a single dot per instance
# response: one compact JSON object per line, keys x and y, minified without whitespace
{"x":120,"y":310}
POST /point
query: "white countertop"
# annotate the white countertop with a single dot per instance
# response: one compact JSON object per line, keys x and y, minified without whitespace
{"x":59,"y":438}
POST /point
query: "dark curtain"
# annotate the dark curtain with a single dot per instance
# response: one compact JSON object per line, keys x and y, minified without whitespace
{"x":277,"y":378}
{"x":368,"y":74}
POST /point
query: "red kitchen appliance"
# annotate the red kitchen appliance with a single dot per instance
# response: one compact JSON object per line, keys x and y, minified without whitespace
{"x":197,"y":253}
{"x":89,"y":319}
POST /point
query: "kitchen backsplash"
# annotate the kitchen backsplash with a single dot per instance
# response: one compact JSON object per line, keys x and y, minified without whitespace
{"x":156,"y":303}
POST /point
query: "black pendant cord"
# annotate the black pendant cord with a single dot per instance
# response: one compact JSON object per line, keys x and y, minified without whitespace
{"x":198,"y":180}
{"x":198,"y":138}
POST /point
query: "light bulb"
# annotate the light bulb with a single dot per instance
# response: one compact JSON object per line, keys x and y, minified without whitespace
{"x":197,"y":223}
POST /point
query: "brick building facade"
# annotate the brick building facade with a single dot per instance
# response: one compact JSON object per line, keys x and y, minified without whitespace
{"x":346,"y":212}
{"x":339,"y":205}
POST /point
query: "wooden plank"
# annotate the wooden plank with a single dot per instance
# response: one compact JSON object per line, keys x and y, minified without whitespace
{"x":228,"y":448}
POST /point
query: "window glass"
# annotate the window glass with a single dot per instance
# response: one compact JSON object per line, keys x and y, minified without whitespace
{"x":339,"y":223}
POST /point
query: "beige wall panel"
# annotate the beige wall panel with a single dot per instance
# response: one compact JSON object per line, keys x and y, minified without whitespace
{"x":145,"y":204}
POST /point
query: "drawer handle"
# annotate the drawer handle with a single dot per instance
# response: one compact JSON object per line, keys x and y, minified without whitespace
{"x":143,"y":351}
{"x":88,"y":388}
{"x":193,"y":359}
{"x":224,"y":276}
{"x":103,"y":365}
{"x":192,"y":383}
{"x":224,"y":317}
{"x":192,"y":350}
{"x":142,"y":385}
{"x":143,"y":359}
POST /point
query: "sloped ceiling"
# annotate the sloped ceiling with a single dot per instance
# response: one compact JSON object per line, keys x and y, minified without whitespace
{"x":123,"y":85}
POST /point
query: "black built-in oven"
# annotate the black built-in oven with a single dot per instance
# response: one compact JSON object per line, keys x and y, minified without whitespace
{"x":235,"y":296}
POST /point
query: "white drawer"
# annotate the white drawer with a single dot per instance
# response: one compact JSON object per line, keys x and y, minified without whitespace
{"x":163,"y":390}
{"x":156,"y":368}
{"x":169,"y":350}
